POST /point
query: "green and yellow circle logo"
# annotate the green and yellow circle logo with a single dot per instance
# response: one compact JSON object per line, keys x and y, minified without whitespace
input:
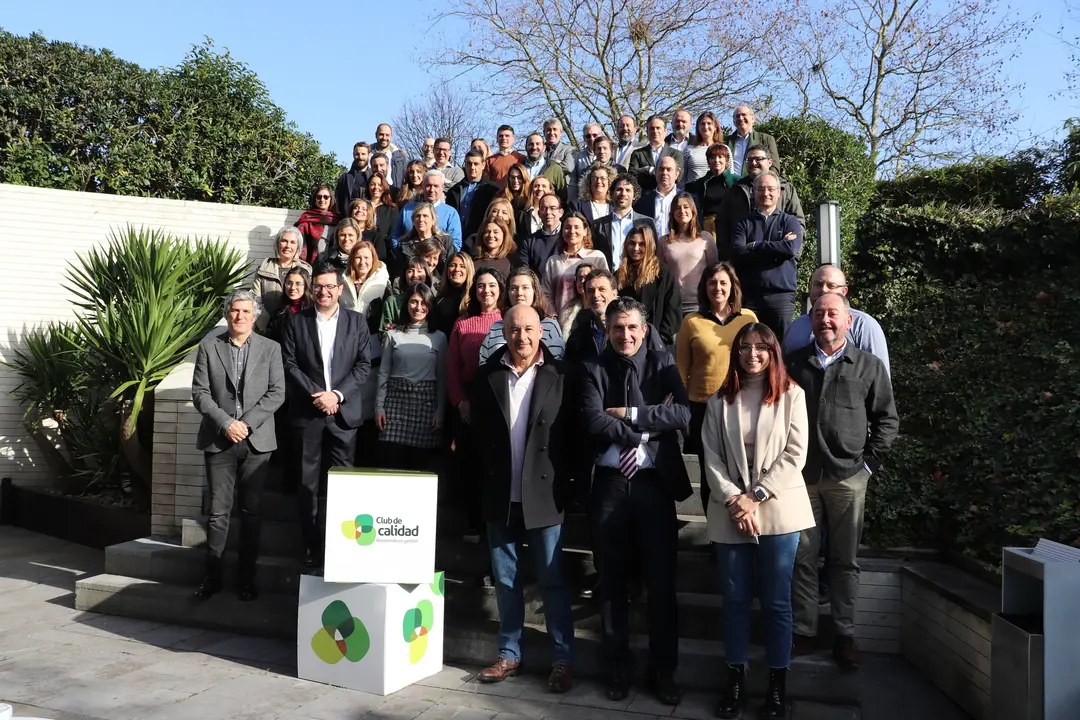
{"x":416,"y":626}
{"x":362,"y":529}
{"x":341,"y":636}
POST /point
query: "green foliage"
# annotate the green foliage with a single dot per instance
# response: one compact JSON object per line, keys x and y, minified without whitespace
{"x":148,"y":300}
{"x":823,"y":163}
{"x":986,"y":379}
{"x":144,"y":302}
{"x":76,"y":118}
{"x":1010,"y":183}
{"x":977,"y":293}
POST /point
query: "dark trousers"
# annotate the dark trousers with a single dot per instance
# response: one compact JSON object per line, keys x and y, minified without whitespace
{"x":406,"y":457}
{"x":467,"y":481}
{"x":635,"y":519}
{"x":239,"y":466}
{"x":324,"y":443}
{"x":777,"y":310}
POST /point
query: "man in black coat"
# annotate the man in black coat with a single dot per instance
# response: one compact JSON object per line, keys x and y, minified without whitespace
{"x":521,"y":426}
{"x":325,"y":354}
{"x":633,"y":406}
{"x":471,"y":198}
{"x":353,"y":183}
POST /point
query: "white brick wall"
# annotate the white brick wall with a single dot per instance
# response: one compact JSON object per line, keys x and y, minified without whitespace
{"x":42,"y":230}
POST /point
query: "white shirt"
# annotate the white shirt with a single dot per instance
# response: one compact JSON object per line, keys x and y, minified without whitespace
{"x":741,"y":144}
{"x":610,"y":457}
{"x":662,"y":211}
{"x":622,"y":153}
{"x":327,"y":334}
{"x":680,"y":145}
{"x":827,"y":360}
{"x":620,"y":228}
{"x":655,"y":154}
{"x":520,"y":402}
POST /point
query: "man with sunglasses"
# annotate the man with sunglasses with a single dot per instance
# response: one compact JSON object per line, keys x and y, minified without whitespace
{"x":325,"y":355}
{"x":739,"y":201}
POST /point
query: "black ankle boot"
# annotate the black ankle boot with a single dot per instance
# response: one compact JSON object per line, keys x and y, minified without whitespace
{"x":775,"y":707}
{"x":733,"y":700}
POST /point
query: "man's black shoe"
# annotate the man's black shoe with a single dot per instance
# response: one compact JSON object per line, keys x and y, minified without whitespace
{"x":617,"y":686}
{"x":664,"y":688}
{"x":210,"y":587}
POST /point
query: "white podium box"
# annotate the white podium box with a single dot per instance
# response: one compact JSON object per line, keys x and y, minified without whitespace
{"x":367,"y":636}
{"x":380,"y":526}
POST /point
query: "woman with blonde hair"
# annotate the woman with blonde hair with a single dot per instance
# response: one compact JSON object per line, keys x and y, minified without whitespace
{"x":529,"y":218}
{"x":755,"y":439}
{"x":425,"y":226}
{"x":482,"y":145}
{"x":452,"y":301}
{"x":574,"y":247}
{"x":643,"y":277}
{"x":495,"y":247}
{"x":687,"y":251}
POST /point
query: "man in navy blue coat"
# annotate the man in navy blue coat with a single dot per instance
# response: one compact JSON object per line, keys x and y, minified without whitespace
{"x":765,"y":251}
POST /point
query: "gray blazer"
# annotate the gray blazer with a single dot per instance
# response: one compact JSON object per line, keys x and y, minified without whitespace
{"x":213,"y":391}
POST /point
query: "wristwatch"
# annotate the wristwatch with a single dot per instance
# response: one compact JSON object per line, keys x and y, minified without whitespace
{"x":761,"y":494}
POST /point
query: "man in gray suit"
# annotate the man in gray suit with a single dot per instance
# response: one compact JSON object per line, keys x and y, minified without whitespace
{"x":238,"y":384}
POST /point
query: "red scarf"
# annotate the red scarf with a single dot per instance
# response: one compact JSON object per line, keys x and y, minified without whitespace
{"x":314,"y":225}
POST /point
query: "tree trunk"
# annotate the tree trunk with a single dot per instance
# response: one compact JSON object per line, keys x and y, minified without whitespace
{"x":138,"y":458}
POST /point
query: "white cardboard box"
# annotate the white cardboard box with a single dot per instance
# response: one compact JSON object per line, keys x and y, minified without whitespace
{"x":380,"y":526}
{"x":377,"y":638}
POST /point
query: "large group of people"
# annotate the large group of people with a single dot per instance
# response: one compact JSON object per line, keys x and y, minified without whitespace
{"x":564,"y":325}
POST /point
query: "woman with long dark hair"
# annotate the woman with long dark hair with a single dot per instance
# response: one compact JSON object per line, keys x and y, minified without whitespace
{"x":575,"y":247}
{"x":686,"y":250}
{"x":410,"y":187}
{"x":415,"y":272}
{"x":411,"y":398}
{"x":523,"y":288}
{"x":643,"y":277}
{"x":754,"y":440}
{"x":317,"y":222}
{"x":495,"y":246}
{"x":385,"y":215}
{"x":269,"y":281}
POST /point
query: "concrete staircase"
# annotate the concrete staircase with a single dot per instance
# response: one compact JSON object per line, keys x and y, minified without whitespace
{"x":154,"y":579}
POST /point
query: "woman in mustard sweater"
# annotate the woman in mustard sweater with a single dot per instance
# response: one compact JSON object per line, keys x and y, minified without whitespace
{"x":703,"y":348}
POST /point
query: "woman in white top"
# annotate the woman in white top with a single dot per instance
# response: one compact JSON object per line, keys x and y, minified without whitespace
{"x":754,"y":442}
{"x":594,"y":195}
{"x":708,"y":133}
{"x":575,"y":247}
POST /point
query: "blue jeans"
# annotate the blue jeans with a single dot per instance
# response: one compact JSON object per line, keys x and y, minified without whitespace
{"x":770,"y":563}
{"x":545,"y":545}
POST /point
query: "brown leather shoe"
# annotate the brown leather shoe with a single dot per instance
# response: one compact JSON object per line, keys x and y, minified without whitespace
{"x":561,"y":679}
{"x":846,"y":653}
{"x":498,"y":671}
{"x":804,"y":645}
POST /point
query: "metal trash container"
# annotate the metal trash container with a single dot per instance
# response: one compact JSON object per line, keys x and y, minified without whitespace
{"x":1035,"y":640}
{"x":1016,"y":666}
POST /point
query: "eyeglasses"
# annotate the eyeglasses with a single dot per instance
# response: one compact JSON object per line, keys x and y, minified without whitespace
{"x":295,"y":285}
{"x":756,"y":159}
{"x":322,"y":197}
{"x":830,"y":285}
{"x":324,"y":288}
{"x":747,"y":348}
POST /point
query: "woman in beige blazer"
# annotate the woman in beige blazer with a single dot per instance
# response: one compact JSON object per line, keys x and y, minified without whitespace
{"x":754,"y":440}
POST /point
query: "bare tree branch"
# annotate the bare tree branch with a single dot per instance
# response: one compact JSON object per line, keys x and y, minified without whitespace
{"x":595,"y":60}
{"x":915,"y":79}
{"x":443,"y":111}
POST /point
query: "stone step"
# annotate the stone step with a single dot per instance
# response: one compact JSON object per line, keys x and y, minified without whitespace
{"x":701,"y":662}
{"x":282,"y":537}
{"x":272,"y":614}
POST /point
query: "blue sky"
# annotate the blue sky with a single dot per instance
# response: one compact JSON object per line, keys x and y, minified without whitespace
{"x":340,"y":69}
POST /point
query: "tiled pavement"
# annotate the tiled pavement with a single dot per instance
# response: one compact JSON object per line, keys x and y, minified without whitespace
{"x":56,"y":662}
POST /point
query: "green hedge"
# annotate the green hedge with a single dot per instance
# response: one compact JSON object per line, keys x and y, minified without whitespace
{"x":986,"y":374}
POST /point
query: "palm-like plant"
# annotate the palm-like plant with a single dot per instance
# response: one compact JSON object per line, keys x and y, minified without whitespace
{"x":146,"y":300}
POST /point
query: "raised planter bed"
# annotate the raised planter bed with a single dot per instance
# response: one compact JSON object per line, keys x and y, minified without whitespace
{"x":73,"y":519}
